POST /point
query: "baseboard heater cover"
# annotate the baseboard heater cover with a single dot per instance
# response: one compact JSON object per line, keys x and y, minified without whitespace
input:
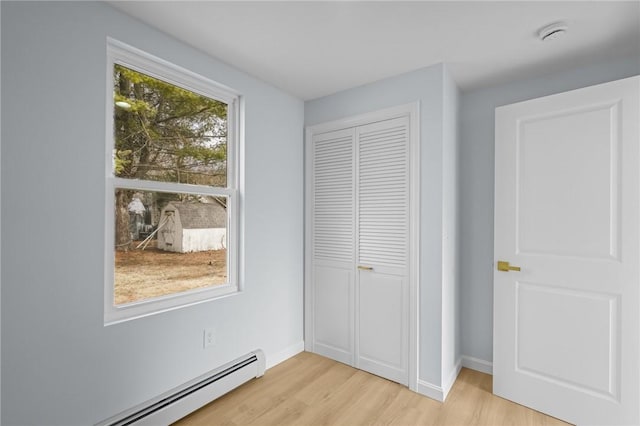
{"x":178,"y":402}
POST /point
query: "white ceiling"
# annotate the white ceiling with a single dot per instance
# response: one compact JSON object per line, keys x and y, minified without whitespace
{"x":312,"y":49}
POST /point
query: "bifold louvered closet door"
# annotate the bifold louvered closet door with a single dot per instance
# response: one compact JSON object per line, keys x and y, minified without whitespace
{"x":360,"y":246}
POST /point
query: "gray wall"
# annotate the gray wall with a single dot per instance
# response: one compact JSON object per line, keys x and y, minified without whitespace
{"x":60,"y":364}
{"x":426,"y":86}
{"x":477,"y":191}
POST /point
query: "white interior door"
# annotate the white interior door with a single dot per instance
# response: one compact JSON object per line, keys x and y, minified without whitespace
{"x":382,"y":290}
{"x":566,"y":326}
{"x":333,"y":244}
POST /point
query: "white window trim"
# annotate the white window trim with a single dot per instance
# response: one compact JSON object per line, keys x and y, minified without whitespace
{"x":130,"y":57}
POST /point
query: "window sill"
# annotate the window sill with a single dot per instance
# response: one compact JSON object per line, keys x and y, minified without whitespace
{"x":145,"y":308}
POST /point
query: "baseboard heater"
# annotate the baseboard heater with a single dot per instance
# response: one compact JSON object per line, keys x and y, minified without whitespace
{"x":178,"y":402}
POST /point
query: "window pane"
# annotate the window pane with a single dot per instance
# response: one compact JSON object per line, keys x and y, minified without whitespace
{"x":168,"y":243}
{"x":166,"y":133}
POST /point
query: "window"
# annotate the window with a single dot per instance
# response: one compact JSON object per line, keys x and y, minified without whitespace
{"x":171,"y":186}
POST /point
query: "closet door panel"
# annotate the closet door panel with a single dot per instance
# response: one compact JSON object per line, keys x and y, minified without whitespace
{"x":333,"y":244}
{"x":382,"y":234}
{"x":334,"y":310}
{"x":333,"y":193}
{"x":383,"y":194}
{"x":382,"y":346}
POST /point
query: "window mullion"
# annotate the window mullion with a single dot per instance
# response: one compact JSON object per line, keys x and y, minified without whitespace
{"x":159,"y":186}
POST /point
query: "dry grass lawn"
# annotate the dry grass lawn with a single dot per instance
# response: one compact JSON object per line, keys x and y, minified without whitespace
{"x":143,"y":274}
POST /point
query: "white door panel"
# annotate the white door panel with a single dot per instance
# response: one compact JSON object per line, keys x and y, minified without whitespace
{"x":334,"y":311}
{"x":382,"y":223}
{"x":333,"y":196}
{"x":567,"y":173}
{"x":566,"y":326}
{"x":333,"y":245}
{"x":582,"y":323}
{"x":383,"y":194}
{"x":382,"y":345}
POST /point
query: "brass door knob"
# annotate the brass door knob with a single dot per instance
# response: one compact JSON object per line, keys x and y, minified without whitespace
{"x":505,"y":267}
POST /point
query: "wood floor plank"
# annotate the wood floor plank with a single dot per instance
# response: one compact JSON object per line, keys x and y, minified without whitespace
{"x":326,"y":384}
{"x":309,"y":389}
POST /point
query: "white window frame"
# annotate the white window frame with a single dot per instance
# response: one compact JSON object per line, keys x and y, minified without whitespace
{"x":137,"y":60}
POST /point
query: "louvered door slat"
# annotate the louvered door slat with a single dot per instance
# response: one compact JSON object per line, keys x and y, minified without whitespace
{"x":383,"y":192}
{"x":333,"y":197}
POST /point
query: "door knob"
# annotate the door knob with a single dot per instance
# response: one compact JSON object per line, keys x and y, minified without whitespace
{"x":505,"y":267}
{"x":365,"y":268}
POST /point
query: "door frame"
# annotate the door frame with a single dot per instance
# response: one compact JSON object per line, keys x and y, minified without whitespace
{"x":412,"y":111}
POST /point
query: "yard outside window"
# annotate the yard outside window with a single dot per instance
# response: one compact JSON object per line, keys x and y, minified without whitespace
{"x":171,"y":182}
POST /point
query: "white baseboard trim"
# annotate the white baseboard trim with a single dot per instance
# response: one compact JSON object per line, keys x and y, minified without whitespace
{"x":437,"y":392}
{"x":477,"y":364}
{"x":448,"y":384}
{"x":275,"y":359}
{"x":430,"y":390}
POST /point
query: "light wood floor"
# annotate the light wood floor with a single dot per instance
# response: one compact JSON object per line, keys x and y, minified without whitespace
{"x":312,"y":390}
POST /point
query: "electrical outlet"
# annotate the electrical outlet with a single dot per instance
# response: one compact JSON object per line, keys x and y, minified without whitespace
{"x":209,"y":337}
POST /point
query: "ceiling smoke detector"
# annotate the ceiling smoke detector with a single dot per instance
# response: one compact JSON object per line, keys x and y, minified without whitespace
{"x":553,"y":31}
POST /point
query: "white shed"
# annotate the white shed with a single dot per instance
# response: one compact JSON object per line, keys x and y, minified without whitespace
{"x":189,"y":227}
